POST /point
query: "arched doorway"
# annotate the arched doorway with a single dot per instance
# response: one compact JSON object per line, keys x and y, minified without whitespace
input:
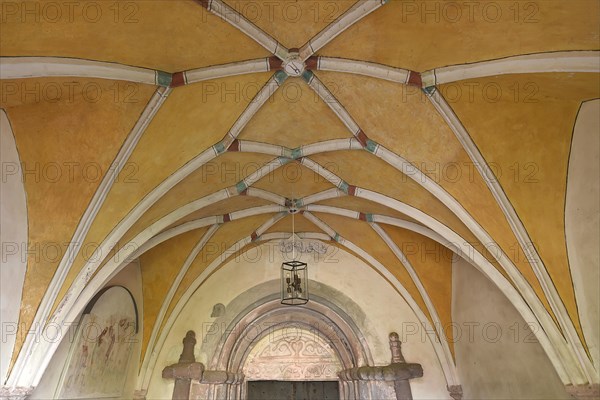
{"x":252,"y":310}
{"x":274,"y":342}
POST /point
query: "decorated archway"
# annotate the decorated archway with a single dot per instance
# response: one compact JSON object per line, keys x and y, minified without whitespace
{"x":270,"y":341}
{"x":319,"y":316}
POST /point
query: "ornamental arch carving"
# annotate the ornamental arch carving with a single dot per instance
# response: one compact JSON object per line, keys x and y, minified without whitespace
{"x":293,"y":336}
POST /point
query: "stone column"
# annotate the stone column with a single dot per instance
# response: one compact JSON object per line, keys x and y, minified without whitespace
{"x":185,"y":370}
{"x":401,"y":386}
{"x":396,"y":348}
{"x":455,"y":391}
{"x":140,"y":394}
{"x":390,"y":382}
{"x":15,"y":393}
{"x":218,"y":385}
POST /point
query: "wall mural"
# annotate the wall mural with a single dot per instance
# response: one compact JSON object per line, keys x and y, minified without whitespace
{"x":99,"y":356}
{"x":292,"y":354}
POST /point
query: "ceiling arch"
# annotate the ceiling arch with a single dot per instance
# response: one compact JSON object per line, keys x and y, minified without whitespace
{"x":345,"y":173}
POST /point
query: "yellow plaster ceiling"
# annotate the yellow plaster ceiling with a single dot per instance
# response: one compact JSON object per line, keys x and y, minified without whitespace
{"x":191,"y":121}
{"x":526,"y":134}
{"x":294,"y":116}
{"x":180,"y":35}
{"x":292,"y":22}
{"x":364,"y":206}
{"x":165,"y":35}
{"x":223,"y":207}
{"x":406,"y":35}
{"x":159,"y":266}
{"x":433,"y":264}
{"x":363,"y":169}
{"x":67,"y":134}
{"x":227,"y":235}
{"x":204,"y":181}
{"x":293,"y":181}
{"x":223,"y":171}
{"x":181,"y":130}
{"x":399,"y":117}
{"x":408,"y":124}
{"x":359,"y":233}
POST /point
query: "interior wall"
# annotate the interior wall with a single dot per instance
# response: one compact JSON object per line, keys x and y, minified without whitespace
{"x":130,"y":278}
{"x":13,"y":237}
{"x":582,"y":222}
{"x":377,"y":310}
{"x":497,"y":355}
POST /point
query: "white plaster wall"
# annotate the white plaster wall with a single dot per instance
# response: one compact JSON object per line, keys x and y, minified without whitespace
{"x":497,"y":356}
{"x":48,"y":385}
{"x":382,"y":310}
{"x":130,"y":277}
{"x":582,"y":222}
{"x":13,"y":239}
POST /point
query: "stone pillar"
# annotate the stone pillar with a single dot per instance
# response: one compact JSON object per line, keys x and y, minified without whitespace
{"x":15,"y":393}
{"x":342,"y":388}
{"x":396,"y":348}
{"x":218,"y":385}
{"x":455,"y":391}
{"x":390,"y":382}
{"x":402,"y":386}
{"x":140,"y":394}
{"x":584,"y":392}
{"x":186,"y":370}
{"x":355,"y":391}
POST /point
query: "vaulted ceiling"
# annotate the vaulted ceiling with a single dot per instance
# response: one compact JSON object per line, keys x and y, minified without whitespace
{"x":194,"y":126}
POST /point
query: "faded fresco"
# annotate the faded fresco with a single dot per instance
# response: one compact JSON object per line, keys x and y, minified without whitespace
{"x":101,"y":349}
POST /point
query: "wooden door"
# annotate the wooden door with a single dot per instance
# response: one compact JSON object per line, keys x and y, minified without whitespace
{"x":293,"y":390}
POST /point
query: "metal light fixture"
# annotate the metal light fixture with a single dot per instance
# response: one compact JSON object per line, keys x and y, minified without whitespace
{"x":294,"y":283}
{"x":294,"y":274}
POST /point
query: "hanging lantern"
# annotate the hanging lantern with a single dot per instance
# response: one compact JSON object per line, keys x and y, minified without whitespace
{"x":294,"y":283}
{"x":294,"y":274}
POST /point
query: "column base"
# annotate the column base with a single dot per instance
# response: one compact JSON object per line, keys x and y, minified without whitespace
{"x":584,"y":392}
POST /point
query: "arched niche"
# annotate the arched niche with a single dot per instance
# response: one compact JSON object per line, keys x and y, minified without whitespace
{"x":101,"y":349}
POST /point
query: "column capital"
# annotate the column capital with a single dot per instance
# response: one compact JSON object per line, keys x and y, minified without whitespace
{"x":184,"y":371}
{"x":455,"y":391}
{"x":15,"y":393}
{"x":584,"y":392}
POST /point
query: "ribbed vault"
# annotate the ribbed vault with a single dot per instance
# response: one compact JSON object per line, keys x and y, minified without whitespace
{"x":212,"y":125}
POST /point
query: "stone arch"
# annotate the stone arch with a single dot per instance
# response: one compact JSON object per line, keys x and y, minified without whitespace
{"x":318,"y":316}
